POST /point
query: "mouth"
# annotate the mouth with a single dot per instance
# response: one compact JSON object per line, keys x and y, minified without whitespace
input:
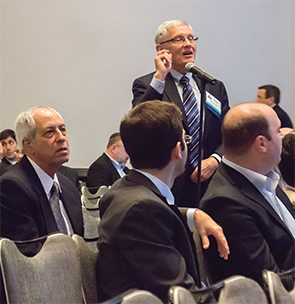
{"x":64,"y":149}
{"x":187,"y":53}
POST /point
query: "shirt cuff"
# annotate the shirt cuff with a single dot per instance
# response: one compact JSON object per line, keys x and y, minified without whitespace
{"x":190,"y":218}
{"x":158,"y":85}
{"x":216,"y":156}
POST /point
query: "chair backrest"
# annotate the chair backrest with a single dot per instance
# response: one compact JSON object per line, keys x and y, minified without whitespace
{"x":180,"y":295}
{"x":88,"y":262}
{"x":242,"y":290}
{"x":141,"y":297}
{"x":276,"y":291}
{"x":91,"y":220}
{"x":89,"y":200}
{"x":53,"y":275}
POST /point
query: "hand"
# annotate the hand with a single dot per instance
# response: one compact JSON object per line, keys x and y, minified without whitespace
{"x":208,"y":167}
{"x":163,"y":63}
{"x":206,"y":226}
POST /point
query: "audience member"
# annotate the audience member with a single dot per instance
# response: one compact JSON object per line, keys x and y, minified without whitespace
{"x":9,"y":146}
{"x":243,"y":197}
{"x":110,"y":166}
{"x":287,"y":166}
{"x":29,"y":206}
{"x":270,"y":95}
{"x":176,"y":46}
{"x":144,"y":240}
{"x":1,"y":152}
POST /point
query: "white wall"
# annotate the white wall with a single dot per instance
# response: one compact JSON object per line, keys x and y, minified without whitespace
{"x":81,"y":57}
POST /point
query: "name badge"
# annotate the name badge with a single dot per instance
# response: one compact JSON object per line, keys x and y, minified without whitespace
{"x":214,"y":105}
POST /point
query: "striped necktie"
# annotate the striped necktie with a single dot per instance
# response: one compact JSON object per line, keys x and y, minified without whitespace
{"x":193,"y":119}
{"x":54,"y":204}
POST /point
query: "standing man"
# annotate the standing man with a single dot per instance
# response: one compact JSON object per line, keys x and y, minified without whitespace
{"x":9,"y":145}
{"x":110,"y":166}
{"x":35,"y":199}
{"x":245,"y":200}
{"x":270,"y":95}
{"x":144,"y":239}
{"x":176,"y":46}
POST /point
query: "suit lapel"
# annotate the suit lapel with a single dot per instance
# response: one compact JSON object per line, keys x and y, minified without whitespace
{"x":249,"y":190}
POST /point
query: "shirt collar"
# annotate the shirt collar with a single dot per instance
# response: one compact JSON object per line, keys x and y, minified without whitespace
{"x":45,"y":179}
{"x":117,"y":165}
{"x":267,"y":182}
{"x":162,"y":187}
{"x":177,"y":76}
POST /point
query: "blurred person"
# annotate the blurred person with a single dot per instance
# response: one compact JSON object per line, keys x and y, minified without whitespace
{"x":1,"y":152}
{"x":9,"y":146}
{"x":270,"y":95}
{"x":245,"y":200}
{"x":145,"y":241}
{"x":176,"y":46}
{"x":110,"y":166}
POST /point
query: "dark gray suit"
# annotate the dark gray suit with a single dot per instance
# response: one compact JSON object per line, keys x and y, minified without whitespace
{"x":258,"y":239}
{"x":5,"y":165}
{"x":25,"y":210}
{"x":142,"y":242}
{"x":184,"y":190}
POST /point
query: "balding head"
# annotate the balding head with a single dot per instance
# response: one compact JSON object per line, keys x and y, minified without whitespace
{"x":248,"y":131}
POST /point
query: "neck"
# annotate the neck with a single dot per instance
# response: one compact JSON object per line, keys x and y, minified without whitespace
{"x":163,"y":175}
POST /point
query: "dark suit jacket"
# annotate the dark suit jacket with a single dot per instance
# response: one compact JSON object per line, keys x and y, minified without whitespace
{"x":25,"y":209}
{"x":184,"y":190}
{"x":71,"y":174}
{"x":257,"y":237}
{"x":102,"y":173}
{"x":142,"y":242}
{"x":283,"y":116}
{"x":4,"y":166}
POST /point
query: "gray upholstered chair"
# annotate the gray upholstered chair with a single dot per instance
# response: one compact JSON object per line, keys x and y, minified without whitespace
{"x":53,"y":275}
{"x":236,"y":289}
{"x":88,"y":262}
{"x":89,"y":200}
{"x":275,"y":289}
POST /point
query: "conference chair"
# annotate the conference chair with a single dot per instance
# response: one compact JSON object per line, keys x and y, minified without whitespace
{"x":53,"y":275}
{"x":89,"y":200}
{"x":88,"y":262}
{"x":236,"y":289}
{"x":275,"y":289}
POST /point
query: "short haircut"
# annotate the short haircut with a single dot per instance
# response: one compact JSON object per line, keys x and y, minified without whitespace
{"x":149,"y":133}
{"x":25,"y":126}
{"x":165,"y":26}
{"x":271,"y":91}
{"x":287,"y":164}
{"x":7,"y":133}
{"x":238,"y":136}
{"x":113,"y":138}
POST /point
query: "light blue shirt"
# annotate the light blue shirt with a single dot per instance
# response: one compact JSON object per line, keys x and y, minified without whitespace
{"x":266,"y":185}
{"x":119,"y":167}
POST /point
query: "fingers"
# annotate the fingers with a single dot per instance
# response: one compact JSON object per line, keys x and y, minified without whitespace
{"x":163,"y":63}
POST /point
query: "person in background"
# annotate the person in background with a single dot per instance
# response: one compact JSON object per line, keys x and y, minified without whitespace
{"x":1,"y":152}
{"x":176,"y":46}
{"x":270,"y":95}
{"x":245,"y":200}
{"x":110,"y":166}
{"x":145,"y":241}
{"x":9,"y":146}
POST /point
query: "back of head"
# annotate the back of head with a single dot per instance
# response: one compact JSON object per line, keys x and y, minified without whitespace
{"x":241,"y":125}
{"x":113,"y":138}
{"x":165,"y":26}
{"x":149,"y":133}
{"x":7,"y":133}
{"x":287,"y":164}
{"x":271,"y":91}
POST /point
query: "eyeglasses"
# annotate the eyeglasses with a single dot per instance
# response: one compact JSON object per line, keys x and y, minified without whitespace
{"x":187,"y":139}
{"x":181,"y":39}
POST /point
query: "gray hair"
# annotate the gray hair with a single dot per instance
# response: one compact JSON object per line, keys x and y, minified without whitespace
{"x":25,"y":127}
{"x":165,"y":26}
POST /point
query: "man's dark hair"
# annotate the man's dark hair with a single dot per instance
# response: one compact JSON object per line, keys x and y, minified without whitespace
{"x":238,"y":137}
{"x":149,"y":133}
{"x":113,"y":138}
{"x":7,"y":133}
{"x":287,"y":164}
{"x":271,"y":90}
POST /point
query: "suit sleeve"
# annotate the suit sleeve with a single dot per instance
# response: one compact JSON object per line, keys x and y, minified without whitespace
{"x":142,"y":91}
{"x":149,"y":242}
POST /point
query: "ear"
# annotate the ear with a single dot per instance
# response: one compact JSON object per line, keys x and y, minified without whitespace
{"x":158,"y":47}
{"x":176,"y":152}
{"x":260,"y":144}
{"x":28,"y":146}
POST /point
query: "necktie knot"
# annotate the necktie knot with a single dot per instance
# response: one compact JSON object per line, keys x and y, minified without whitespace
{"x":184,"y":80}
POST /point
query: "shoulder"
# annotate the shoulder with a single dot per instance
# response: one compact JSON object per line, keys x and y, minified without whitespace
{"x":145,"y":78}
